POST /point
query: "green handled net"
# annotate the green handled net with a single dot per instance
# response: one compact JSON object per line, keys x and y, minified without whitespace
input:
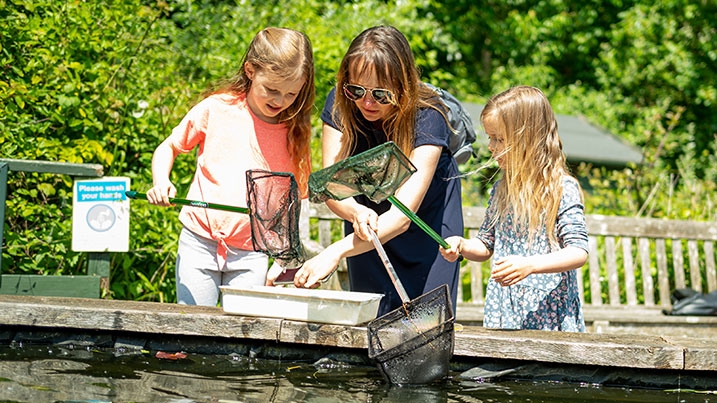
{"x":376,"y":173}
{"x":273,"y":208}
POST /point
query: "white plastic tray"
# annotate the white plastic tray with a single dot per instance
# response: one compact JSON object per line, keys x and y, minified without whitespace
{"x":303,"y":304}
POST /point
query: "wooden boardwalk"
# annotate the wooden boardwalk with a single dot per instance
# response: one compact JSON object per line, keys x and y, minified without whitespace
{"x":471,"y":342}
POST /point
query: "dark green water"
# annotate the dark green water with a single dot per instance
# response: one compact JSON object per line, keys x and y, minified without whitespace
{"x":56,"y":374}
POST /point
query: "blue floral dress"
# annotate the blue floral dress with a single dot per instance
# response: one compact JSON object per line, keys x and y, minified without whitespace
{"x":540,"y":301}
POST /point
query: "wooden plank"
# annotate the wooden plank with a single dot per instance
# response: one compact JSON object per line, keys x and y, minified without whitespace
{"x":699,"y":353}
{"x":98,"y":264}
{"x":57,"y":286}
{"x":133,"y":316}
{"x":462,"y":271}
{"x":476,"y":269}
{"x":650,"y":227}
{"x":678,"y":263}
{"x":62,"y":168}
{"x":648,"y":288}
{"x":323,"y":334}
{"x":622,"y":320}
{"x":647,"y":328}
{"x":473,"y":216}
{"x":629,"y":272}
{"x":594,"y":267}
{"x":467,"y":312}
{"x":708,"y":247}
{"x":663,"y":276}
{"x":471,"y":313}
{"x":643,"y":314}
{"x":324,"y":233}
{"x":573,"y":348}
{"x":693,"y":255}
{"x":123,"y":317}
{"x":613,"y":282}
{"x":477,"y":288}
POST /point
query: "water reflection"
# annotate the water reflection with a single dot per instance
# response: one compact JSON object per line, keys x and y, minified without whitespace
{"x":54,"y":374}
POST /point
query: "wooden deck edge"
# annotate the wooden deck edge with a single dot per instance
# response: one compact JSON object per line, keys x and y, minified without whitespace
{"x":574,"y":348}
{"x":629,"y":351}
{"x":468,"y":312}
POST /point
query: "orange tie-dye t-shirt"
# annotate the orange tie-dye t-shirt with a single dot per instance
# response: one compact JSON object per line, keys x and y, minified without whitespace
{"x":230,"y":141}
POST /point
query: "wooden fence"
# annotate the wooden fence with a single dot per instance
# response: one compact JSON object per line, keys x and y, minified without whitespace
{"x":633,"y":267}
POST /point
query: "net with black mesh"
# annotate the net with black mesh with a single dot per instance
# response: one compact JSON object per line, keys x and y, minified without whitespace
{"x":376,"y":173}
{"x":413,"y":344}
{"x":274,"y":208}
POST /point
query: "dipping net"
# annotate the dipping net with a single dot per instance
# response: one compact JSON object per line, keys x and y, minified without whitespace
{"x":413,"y":344}
{"x":375,"y":173}
{"x":274,"y":207}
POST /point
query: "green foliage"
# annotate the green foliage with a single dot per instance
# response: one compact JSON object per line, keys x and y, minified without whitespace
{"x":86,"y":83}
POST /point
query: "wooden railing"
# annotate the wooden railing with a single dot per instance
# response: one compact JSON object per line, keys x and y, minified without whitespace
{"x":633,"y":267}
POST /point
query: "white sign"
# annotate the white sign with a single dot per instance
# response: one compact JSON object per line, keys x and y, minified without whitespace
{"x":100,"y":215}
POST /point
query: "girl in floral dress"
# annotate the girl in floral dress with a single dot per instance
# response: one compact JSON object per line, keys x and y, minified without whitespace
{"x":535,"y":224}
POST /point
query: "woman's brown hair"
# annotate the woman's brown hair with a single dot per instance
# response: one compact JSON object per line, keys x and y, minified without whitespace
{"x":385,"y":51}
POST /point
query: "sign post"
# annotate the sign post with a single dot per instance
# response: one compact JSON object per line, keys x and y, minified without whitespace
{"x":100,"y":215}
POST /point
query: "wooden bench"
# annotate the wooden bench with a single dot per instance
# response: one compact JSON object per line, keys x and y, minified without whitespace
{"x":633,"y":267}
{"x":98,"y":263}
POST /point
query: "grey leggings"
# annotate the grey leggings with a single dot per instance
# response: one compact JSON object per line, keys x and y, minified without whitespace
{"x":197,"y":275}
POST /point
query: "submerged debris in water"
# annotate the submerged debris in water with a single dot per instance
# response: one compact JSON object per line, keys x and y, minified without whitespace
{"x":171,"y":356}
{"x":328,"y":363}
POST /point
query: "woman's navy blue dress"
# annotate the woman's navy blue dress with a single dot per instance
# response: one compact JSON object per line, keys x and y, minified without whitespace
{"x":414,"y":254}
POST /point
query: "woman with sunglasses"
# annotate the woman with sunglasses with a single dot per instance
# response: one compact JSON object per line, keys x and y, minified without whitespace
{"x":379,"y":97}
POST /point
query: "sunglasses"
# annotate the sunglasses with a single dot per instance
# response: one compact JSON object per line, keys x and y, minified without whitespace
{"x":356,"y":92}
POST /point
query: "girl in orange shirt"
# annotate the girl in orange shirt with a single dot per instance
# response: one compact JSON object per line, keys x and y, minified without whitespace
{"x":258,"y":119}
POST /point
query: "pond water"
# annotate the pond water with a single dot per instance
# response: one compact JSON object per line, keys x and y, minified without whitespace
{"x":56,"y":374}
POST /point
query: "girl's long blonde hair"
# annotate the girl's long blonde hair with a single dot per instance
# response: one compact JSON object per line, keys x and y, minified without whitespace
{"x":534,"y":163}
{"x":385,"y":51}
{"x":288,"y":54}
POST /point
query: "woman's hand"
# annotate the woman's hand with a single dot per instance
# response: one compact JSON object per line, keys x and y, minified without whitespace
{"x":365,"y":221}
{"x":317,"y":268}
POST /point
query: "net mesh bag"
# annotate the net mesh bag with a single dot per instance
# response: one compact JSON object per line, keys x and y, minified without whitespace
{"x":413,"y":344}
{"x":274,"y":206}
{"x":375,"y":173}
